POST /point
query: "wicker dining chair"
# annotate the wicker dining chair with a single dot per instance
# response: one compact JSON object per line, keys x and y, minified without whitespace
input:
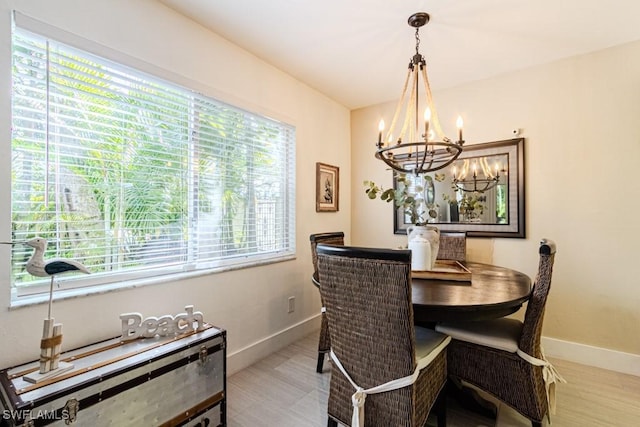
{"x":504,"y":356}
{"x":367,"y":295}
{"x":324,"y":341}
{"x":453,"y":245}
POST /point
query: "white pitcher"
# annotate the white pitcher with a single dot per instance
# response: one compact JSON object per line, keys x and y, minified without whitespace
{"x":429,"y":233}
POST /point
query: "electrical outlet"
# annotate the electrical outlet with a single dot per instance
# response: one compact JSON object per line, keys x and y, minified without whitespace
{"x":292,"y":305}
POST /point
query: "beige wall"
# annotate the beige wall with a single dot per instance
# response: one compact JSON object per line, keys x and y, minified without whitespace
{"x":251,"y":303}
{"x":580,"y":120}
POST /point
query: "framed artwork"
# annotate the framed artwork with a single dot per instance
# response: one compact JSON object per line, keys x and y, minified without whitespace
{"x":496,"y":212}
{"x":327,"y":188}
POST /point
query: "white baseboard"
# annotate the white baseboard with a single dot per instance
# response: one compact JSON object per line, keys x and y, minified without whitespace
{"x":626,"y":363}
{"x":257,"y":351}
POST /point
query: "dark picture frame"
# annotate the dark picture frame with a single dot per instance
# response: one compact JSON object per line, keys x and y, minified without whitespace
{"x":327,"y":188}
{"x":515,"y":226}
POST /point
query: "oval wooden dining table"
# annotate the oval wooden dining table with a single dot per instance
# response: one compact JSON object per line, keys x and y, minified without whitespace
{"x":493,"y":292}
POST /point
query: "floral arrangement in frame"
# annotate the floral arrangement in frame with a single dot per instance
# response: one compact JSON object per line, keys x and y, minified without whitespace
{"x":327,"y":187}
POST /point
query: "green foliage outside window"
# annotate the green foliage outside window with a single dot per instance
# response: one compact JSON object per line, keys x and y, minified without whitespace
{"x":122,"y":172}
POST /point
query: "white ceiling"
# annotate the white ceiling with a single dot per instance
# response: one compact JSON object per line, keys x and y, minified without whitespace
{"x":357,"y":51}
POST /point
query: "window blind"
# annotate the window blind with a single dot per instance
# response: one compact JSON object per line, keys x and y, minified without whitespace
{"x":135,"y":176}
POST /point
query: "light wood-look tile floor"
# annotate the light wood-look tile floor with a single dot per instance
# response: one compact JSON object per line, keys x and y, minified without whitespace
{"x":284,"y":390}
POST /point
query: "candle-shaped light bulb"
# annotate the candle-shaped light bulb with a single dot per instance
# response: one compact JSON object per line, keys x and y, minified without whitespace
{"x":459,"y":124}
{"x":380,"y":129}
{"x":497,"y":169}
{"x":454,"y":173}
{"x":427,"y":120}
{"x":475,"y":169}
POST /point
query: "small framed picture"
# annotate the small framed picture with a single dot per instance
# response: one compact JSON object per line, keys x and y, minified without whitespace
{"x":327,"y":187}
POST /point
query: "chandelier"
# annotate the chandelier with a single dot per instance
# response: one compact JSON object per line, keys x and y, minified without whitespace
{"x":420,"y":146}
{"x":480,"y":180}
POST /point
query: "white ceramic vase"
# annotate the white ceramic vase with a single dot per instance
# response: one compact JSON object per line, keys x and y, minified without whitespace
{"x":424,"y":242}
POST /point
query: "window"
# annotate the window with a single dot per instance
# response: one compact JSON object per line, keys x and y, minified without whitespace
{"x":137,"y":177}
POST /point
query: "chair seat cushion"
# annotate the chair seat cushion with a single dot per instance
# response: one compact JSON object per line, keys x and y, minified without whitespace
{"x":429,"y":344}
{"x":502,"y":334}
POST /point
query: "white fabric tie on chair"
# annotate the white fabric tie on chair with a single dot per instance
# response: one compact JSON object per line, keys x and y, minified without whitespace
{"x":358,"y":398}
{"x":436,"y":344}
{"x":550,"y":376}
{"x":503,"y":334}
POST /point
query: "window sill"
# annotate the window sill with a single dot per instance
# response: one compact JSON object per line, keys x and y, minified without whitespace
{"x":18,"y":302}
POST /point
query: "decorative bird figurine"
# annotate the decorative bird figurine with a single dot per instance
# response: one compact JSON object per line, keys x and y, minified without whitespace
{"x":52,"y":332}
{"x":50,"y":345}
{"x":37,"y":266}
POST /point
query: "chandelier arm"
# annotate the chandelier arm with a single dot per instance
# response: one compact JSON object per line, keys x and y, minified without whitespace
{"x":409,"y":113}
{"x":488,"y":185}
{"x":435,"y":121}
{"x":399,"y":107}
{"x":424,"y":158}
{"x":442,"y":165}
{"x":390,"y":163}
{"x":404,"y":135}
{"x":488,"y":182}
{"x":412,"y":126}
{"x":486,"y":169}
{"x":405,"y":132}
{"x":438,"y":158}
{"x":482,"y":166}
{"x":465,"y":169}
{"x":420,"y":163}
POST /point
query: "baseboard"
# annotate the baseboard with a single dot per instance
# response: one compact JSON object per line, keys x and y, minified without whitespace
{"x":626,"y":363}
{"x":257,"y":351}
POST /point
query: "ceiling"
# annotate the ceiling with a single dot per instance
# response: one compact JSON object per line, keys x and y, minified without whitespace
{"x":356,"y":51}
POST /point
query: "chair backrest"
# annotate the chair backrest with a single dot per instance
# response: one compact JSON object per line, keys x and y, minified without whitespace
{"x":453,"y":245}
{"x":534,"y":316}
{"x":367,"y":295}
{"x":331,"y":238}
